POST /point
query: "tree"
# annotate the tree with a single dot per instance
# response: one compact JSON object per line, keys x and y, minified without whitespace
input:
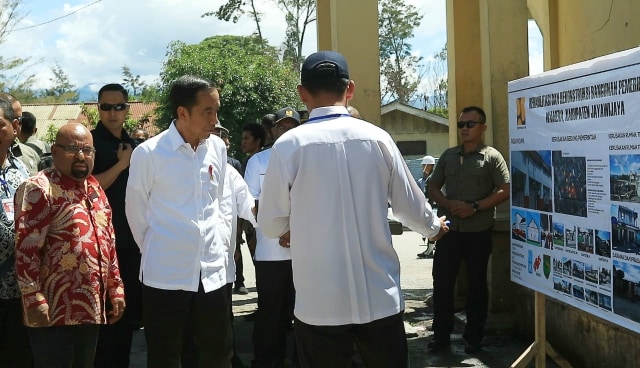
{"x":400,"y":69}
{"x":251,"y":80}
{"x":234,"y":9}
{"x":62,"y":89}
{"x":134,"y":84}
{"x":298,"y":15}
{"x":14,"y":77}
{"x":436,"y":92}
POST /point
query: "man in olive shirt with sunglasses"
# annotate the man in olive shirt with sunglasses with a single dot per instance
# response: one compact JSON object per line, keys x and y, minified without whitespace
{"x":475,"y":178}
{"x":113,"y":153}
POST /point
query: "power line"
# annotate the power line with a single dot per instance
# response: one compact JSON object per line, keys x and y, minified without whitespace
{"x":55,"y":19}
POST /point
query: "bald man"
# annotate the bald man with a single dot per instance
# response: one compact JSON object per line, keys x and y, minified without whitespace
{"x":65,"y":254}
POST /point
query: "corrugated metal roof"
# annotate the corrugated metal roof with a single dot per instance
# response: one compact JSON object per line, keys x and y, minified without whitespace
{"x":66,"y":112}
{"x":60,"y":114}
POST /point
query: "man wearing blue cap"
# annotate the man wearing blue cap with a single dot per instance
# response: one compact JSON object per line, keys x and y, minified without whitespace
{"x":326,"y":192}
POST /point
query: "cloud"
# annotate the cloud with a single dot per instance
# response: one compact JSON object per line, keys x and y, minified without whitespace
{"x":93,"y":44}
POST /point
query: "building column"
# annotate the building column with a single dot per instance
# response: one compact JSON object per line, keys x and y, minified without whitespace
{"x":488,"y":47}
{"x":351,"y":28}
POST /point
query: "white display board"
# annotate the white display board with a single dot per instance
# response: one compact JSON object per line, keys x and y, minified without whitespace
{"x":575,"y":185}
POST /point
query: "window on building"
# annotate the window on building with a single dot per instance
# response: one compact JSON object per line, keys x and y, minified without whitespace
{"x":409,"y":148}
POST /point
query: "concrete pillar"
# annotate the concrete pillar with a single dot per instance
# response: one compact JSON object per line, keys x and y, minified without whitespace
{"x":545,"y":14}
{"x":487,"y":49}
{"x":351,"y":28}
{"x":463,"y":43}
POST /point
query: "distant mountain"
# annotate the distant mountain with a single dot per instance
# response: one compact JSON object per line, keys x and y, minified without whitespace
{"x":88,"y":93}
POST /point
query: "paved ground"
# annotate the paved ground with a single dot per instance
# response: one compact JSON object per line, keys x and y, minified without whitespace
{"x":501,"y":348}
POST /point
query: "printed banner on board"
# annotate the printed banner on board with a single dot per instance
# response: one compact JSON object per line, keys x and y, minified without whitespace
{"x":575,"y":190}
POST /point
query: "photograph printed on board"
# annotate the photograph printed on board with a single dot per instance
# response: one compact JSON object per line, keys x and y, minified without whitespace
{"x":569,"y":184}
{"x":571,"y":237}
{"x":626,"y":290}
{"x":518,"y":224}
{"x":603,"y":243}
{"x":585,"y":240}
{"x":591,"y":273}
{"x":531,"y":180}
{"x":624,"y":178}
{"x":558,"y":234}
{"x":534,"y":230}
{"x":625,"y":234}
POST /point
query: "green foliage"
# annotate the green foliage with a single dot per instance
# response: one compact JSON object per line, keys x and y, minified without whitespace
{"x":251,"y":80}
{"x":50,"y":135}
{"x":401,"y":76}
{"x":232,"y":10}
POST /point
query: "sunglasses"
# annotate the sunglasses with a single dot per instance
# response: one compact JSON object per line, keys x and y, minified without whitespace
{"x":469,"y":124}
{"x":109,"y":107}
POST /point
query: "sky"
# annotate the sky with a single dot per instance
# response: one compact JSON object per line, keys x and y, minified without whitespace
{"x":92,"y":39}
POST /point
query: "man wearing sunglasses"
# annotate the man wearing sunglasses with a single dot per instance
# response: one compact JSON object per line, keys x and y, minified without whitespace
{"x":476,"y":178}
{"x":111,"y":169}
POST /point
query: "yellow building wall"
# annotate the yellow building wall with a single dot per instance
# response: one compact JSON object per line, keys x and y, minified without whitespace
{"x":351,"y":28}
{"x":578,"y":30}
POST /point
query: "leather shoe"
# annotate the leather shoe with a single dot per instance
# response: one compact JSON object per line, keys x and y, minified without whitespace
{"x":437,"y":345}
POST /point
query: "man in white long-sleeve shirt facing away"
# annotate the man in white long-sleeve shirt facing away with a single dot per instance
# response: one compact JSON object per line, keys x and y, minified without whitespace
{"x":176,"y":180}
{"x":329,"y":183}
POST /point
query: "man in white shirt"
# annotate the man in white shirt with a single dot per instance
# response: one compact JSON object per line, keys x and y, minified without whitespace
{"x":329,"y":183}
{"x":176,"y":180}
{"x":236,"y":202}
{"x":274,"y":279}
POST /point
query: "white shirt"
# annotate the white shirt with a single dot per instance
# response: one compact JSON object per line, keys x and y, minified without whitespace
{"x":329,"y":181}
{"x":236,"y":202}
{"x":173,"y":208}
{"x":267,"y":248}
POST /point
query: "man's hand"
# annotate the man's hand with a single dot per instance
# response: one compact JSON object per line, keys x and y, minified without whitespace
{"x":444,"y":228}
{"x":284,"y":240}
{"x":124,"y":154}
{"x":118,"y":310}
{"x":461,"y":209}
{"x":38,"y":316}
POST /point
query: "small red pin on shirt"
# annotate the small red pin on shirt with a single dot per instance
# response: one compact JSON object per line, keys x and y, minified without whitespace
{"x":210,"y":172}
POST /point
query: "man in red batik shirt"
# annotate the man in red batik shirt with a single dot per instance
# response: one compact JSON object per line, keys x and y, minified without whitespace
{"x":65,"y":254}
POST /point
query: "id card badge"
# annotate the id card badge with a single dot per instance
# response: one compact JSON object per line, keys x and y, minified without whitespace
{"x":7,"y":206}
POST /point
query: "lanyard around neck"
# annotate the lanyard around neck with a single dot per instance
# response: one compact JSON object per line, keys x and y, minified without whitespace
{"x":330,"y":116}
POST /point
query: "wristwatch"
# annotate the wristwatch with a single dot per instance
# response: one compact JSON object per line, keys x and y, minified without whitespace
{"x":475,"y":206}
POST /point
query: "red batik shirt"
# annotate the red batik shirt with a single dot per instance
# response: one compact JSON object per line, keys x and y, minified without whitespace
{"x":65,"y":248}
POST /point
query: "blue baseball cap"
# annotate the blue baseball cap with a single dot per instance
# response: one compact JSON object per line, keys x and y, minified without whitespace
{"x":324,"y":65}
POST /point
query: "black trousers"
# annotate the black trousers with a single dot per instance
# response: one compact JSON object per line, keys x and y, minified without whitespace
{"x":381,"y":343}
{"x":166,"y":312}
{"x":15,"y":349}
{"x":64,"y":346}
{"x":114,"y":341}
{"x":250,"y":234}
{"x":189,"y":355}
{"x":276,"y":298}
{"x":475,"y":249}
